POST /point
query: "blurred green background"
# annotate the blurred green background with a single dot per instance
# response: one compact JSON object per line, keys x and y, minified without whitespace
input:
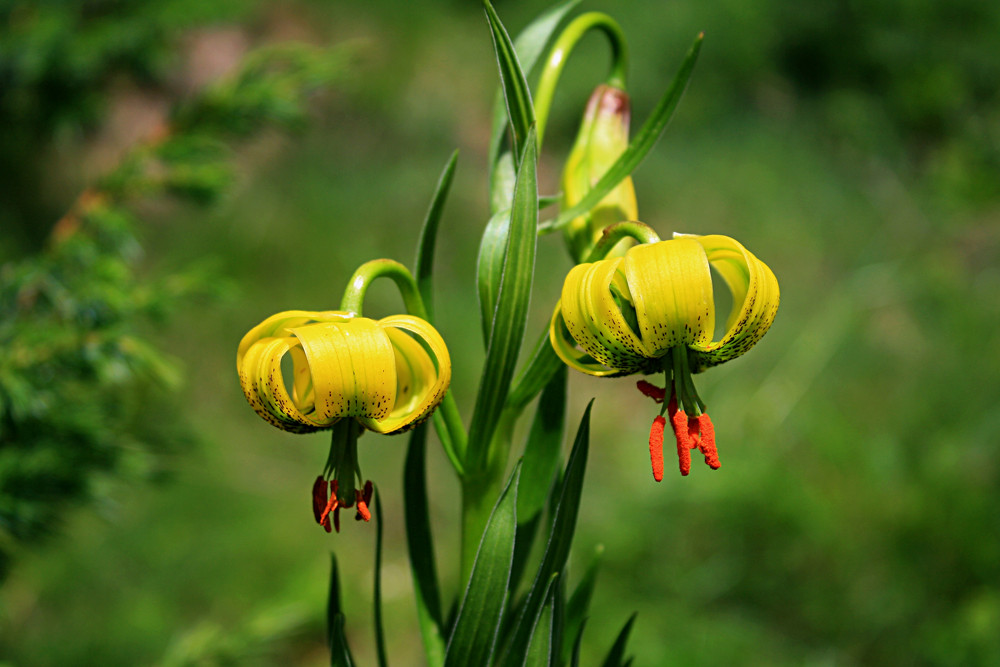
{"x":852,"y":146}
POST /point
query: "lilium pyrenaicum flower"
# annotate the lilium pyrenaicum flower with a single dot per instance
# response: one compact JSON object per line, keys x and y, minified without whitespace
{"x":348,"y":373}
{"x":653,"y":310}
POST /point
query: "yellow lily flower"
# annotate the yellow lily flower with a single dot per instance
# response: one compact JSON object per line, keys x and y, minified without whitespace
{"x":653,"y":310}
{"x":348,"y":373}
{"x":603,"y":137}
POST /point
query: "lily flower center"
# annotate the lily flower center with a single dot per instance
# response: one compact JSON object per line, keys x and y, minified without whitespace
{"x":692,"y":427}
{"x":339,"y":477}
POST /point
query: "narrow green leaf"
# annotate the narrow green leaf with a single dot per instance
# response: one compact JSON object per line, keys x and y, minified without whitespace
{"x":420,"y":547}
{"x":541,"y":453}
{"x":340,"y":653}
{"x":526,"y":533}
{"x":541,"y":366}
{"x":475,"y":634}
{"x":511,"y":313}
{"x":560,"y":539}
{"x":579,"y":603}
{"x":377,"y":594}
{"x":517,"y":96}
{"x":489,"y":268}
{"x":616,"y":655}
{"x":529,"y":45}
{"x":575,"y":658}
{"x":540,"y":643}
{"x":644,"y":140}
{"x":424,"y":265}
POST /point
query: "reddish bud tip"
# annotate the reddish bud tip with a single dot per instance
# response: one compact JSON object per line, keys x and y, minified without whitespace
{"x":656,"y":446}
{"x":651,"y":390}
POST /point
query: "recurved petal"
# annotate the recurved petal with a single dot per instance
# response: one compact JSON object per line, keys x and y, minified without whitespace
{"x":260,"y":376}
{"x":592,"y":314}
{"x":423,"y":373}
{"x":755,"y":299}
{"x":566,"y":349}
{"x":352,"y":367}
{"x":671,"y":287}
{"x":280,"y":324}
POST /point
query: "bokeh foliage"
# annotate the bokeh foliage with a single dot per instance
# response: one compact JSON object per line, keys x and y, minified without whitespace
{"x":853,"y":521}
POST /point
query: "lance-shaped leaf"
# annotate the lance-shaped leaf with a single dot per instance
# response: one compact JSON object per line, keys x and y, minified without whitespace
{"x":420,"y":547}
{"x":557,"y":549}
{"x":340,"y":653}
{"x":528,"y":45}
{"x":539,"y":466}
{"x":511,"y":313}
{"x":516,"y":94}
{"x":543,"y":631}
{"x":579,"y":602}
{"x":424,"y":265}
{"x":616,"y":656}
{"x":478,"y":620}
{"x":377,"y":593}
{"x":644,"y":140}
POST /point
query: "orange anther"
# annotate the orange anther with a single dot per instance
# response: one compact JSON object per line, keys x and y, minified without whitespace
{"x":707,"y":445}
{"x":679,"y":423}
{"x":656,"y":446}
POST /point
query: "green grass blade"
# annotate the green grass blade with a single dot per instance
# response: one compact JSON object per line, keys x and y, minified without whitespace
{"x":340,"y":653}
{"x":511,"y":313}
{"x":616,"y":656}
{"x":579,"y":603}
{"x":517,"y":96}
{"x":475,"y":634}
{"x":424,"y":264}
{"x":560,"y":539}
{"x":420,"y":548}
{"x":377,"y":594}
{"x":644,"y":141}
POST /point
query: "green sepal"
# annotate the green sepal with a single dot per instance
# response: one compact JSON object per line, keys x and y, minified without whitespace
{"x":475,"y":631}
{"x":423,"y":270}
{"x":420,"y":548}
{"x":644,"y":141}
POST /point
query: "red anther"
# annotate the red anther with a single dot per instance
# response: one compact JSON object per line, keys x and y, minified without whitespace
{"x":707,"y":445}
{"x":656,"y":447}
{"x":651,"y":390}
{"x":678,"y":421}
{"x":319,"y":492}
{"x":363,"y":513}
{"x":369,"y":488}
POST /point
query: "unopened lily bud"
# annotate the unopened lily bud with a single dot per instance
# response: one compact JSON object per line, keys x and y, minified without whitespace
{"x":602,"y":139}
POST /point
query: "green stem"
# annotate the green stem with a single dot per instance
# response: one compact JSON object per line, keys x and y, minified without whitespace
{"x":480,"y":489}
{"x":639,"y":231}
{"x":447,"y":420}
{"x":560,"y":51}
